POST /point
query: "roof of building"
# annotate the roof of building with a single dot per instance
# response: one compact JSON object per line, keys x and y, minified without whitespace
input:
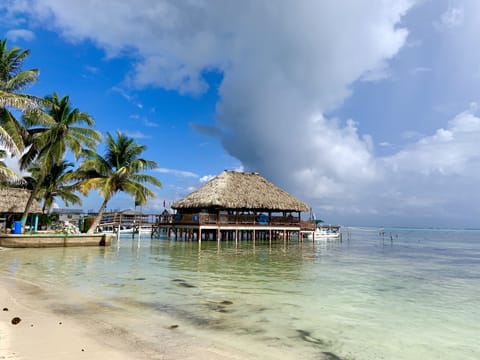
{"x":240,"y":190}
{"x":13,"y":201}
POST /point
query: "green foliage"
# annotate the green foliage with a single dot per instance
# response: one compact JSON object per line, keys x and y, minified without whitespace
{"x":51,"y":127}
{"x":12,"y":80}
{"x":53,"y":130}
{"x":119,"y":170}
{"x":57,"y":183}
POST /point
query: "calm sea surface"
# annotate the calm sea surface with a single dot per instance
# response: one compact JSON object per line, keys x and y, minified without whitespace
{"x":403,"y":294}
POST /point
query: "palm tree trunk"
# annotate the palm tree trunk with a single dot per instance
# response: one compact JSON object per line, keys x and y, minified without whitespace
{"x":96,"y":222}
{"x":33,"y":193}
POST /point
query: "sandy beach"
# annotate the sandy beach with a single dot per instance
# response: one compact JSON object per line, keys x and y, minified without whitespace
{"x":29,"y":329}
{"x":43,"y":335}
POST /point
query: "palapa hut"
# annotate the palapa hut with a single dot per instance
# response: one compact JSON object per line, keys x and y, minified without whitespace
{"x":12,"y":205}
{"x":237,"y":205}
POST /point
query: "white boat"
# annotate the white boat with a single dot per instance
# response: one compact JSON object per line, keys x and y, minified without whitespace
{"x":146,"y":229}
{"x":326,"y":233}
{"x":126,"y":229}
{"x":323,"y":234}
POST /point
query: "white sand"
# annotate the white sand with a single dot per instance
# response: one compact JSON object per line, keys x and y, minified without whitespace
{"x":42,"y":334}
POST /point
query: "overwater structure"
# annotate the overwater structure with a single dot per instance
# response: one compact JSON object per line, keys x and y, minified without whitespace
{"x":236,"y":206}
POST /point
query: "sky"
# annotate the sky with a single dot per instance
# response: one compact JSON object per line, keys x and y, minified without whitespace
{"x":366,"y":110}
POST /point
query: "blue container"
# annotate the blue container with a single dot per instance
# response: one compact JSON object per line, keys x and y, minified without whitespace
{"x":17,"y":227}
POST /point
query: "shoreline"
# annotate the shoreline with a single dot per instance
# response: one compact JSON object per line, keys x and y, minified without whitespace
{"x":44,"y":333}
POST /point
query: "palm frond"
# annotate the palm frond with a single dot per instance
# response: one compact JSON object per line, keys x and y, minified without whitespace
{"x":21,"y":80}
{"x":19,"y":101}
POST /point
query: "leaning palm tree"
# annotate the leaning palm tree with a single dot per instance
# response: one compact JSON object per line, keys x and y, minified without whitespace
{"x":58,"y":183}
{"x":53,"y":131}
{"x":12,"y":80}
{"x":119,"y":170}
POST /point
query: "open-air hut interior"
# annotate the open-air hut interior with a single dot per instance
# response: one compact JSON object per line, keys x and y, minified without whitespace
{"x":239,"y":197}
{"x":12,"y":205}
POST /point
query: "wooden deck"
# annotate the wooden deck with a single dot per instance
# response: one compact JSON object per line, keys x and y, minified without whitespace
{"x":207,"y":226}
{"x":236,"y":220}
{"x":204,"y":226}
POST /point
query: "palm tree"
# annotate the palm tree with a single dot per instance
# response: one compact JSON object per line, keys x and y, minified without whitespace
{"x":57,"y":183}
{"x":53,"y":131}
{"x":119,"y":170}
{"x":13,"y":80}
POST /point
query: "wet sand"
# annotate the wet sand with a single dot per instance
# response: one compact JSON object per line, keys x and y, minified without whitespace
{"x":30,"y":330}
{"x":28,"y":333}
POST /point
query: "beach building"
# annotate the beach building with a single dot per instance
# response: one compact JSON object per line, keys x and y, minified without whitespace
{"x":235,"y":206}
{"x":12,"y":205}
{"x":71,"y":215}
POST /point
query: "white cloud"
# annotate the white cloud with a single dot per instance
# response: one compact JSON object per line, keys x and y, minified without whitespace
{"x":136,"y":134}
{"x":286,"y":65}
{"x":420,"y":70}
{"x":175,"y":172}
{"x":450,"y":151}
{"x":20,"y":34}
{"x":91,"y":69}
{"x":206,"y":178}
{"x":434,"y":179}
{"x":149,"y":123}
{"x":130,"y":98}
{"x":452,"y":17}
{"x":12,"y":162}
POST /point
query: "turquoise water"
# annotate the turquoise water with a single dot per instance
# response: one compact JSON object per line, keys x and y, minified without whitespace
{"x":400,"y":294}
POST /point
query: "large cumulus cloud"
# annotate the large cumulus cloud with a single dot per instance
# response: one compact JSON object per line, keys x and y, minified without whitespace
{"x":285,"y":65}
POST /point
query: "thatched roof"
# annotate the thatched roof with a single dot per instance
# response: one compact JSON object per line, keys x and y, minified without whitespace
{"x":238,"y":190}
{"x":13,"y":201}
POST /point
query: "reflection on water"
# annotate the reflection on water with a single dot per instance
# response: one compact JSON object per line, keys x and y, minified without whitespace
{"x":391,"y":294}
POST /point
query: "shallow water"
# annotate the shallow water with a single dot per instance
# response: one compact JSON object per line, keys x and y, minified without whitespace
{"x":400,"y":294}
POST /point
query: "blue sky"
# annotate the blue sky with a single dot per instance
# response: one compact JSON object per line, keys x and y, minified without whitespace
{"x":365,"y":110}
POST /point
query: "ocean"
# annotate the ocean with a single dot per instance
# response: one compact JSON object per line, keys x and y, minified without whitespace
{"x":394,"y":293}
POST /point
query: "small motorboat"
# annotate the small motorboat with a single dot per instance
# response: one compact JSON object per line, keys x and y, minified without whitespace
{"x":327,"y":232}
{"x":330,"y":232}
{"x":124,"y":229}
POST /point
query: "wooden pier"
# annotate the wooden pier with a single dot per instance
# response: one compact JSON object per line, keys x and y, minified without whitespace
{"x":233,"y":227}
{"x":118,"y":221}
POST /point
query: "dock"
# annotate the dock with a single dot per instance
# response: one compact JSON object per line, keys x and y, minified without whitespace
{"x":234,"y":227}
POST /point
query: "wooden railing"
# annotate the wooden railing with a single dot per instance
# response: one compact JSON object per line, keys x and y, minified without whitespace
{"x":307,"y":226}
{"x":128,"y":219}
{"x":225,"y":219}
